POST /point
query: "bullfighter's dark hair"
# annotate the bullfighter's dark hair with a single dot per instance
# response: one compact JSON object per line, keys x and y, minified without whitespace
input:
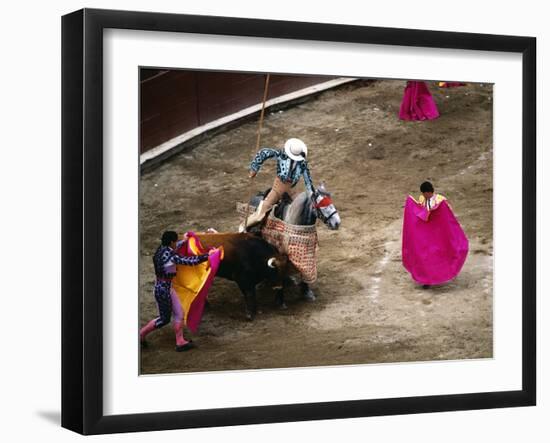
{"x":168,"y":237}
{"x":426,"y":187}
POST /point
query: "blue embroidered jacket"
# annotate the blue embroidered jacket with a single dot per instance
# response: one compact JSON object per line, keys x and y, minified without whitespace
{"x":288,"y":170}
{"x":166,"y":259}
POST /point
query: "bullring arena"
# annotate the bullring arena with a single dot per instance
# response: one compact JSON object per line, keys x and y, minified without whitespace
{"x":368,"y":309}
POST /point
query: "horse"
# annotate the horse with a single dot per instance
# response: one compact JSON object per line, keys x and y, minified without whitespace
{"x":304,"y":210}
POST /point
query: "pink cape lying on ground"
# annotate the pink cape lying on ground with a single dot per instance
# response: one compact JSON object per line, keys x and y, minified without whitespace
{"x":203,"y":279}
{"x":418,"y":103}
{"x":434,"y":245}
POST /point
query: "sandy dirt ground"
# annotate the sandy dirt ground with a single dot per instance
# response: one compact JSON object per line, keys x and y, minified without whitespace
{"x":368,"y":309}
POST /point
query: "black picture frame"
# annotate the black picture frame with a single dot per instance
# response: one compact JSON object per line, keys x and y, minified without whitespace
{"x":82,"y":218}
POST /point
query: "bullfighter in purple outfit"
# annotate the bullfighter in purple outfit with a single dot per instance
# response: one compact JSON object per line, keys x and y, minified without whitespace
{"x":165,"y":261}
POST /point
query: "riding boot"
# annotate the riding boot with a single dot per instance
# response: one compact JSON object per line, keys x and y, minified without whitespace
{"x":256,"y":217}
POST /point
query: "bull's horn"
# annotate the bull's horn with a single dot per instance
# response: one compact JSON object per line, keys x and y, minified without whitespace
{"x":272,"y":262}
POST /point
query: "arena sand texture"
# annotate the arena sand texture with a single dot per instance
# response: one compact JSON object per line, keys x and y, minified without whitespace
{"x":368,"y":309}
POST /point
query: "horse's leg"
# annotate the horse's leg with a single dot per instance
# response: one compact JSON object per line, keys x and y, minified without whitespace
{"x":307,"y":292}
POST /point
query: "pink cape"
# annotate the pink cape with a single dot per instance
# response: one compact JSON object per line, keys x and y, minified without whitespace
{"x":434,"y":245}
{"x":418,"y":103}
{"x":194,"y":247}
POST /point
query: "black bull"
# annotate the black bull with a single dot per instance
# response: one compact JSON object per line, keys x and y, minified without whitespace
{"x":249,"y":260}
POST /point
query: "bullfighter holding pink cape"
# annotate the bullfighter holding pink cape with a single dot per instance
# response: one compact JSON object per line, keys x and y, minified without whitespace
{"x":417,"y":103}
{"x":434,"y":245}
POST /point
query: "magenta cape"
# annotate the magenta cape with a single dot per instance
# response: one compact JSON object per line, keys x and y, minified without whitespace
{"x":434,"y":245}
{"x":193,"y":282}
{"x":418,"y":103}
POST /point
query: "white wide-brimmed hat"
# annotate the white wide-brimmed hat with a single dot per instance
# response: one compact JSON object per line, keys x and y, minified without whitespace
{"x":296,"y":149}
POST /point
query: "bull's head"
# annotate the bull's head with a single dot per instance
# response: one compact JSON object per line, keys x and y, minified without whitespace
{"x":278,"y":262}
{"x":280,"y":267}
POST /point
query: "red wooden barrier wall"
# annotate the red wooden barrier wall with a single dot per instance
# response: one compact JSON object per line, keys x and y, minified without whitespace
{"x":176,"y":101}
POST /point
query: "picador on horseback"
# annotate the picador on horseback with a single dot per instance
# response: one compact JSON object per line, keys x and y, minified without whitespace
{"x":290,"y":227}
{"x":291,"y":165}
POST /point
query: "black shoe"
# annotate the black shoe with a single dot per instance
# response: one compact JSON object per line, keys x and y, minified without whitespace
{"x":186,"y":347}
{"x":425,"y":286}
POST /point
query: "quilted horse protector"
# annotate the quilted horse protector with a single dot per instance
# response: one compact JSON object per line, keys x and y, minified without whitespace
{"x":299,"y":243}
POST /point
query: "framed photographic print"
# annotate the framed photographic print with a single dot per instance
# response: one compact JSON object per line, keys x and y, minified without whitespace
{"x":279,"y":221}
